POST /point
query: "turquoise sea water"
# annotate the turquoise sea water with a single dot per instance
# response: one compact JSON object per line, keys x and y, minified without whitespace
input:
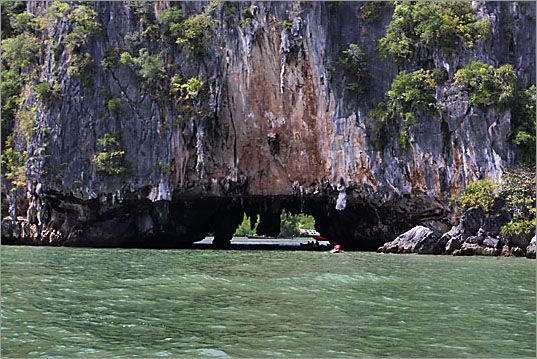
{"x":185,"y":303}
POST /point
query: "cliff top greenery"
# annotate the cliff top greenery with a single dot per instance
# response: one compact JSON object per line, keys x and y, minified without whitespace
{"x":427,"y":25}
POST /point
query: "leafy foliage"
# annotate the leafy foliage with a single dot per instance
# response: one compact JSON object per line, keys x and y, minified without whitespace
{"x":427,"y":24}
{"x":524,"y":116}
{"x":479,"y":193}
{"x":46,"y":92}
{"x":26,"y":119}
{"x":14,"y":164}
{"x":191,"y":88}
{"x":518,"y":227}
{"x":518,"y":190}
{"x":149,"y":68}
{"x":84,"y":25}
{"x":10,"y":90}
{"x":370,"y":10}
{"x":23,"y":22}
{"x":170,"y":19}
{"x":20,"y":51}
{"x":10,"y":9}
{"x":487,"y":85}
{"x":354,"y":60}
{"x":413,"y":91}
{"x":244,"y":229}
{"x":114,"y":105}
{"x":409,"y":92}
{"x":286,"y":25}
{"x":306,"y":221}
{"x":516,"y":194}
{"x":195,"y":32}
{"x":111,"y":158}
{"x":290,"y":224}
{"x":111,"y":58}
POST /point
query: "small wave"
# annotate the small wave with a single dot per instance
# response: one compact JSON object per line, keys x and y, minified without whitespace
{"x":344,"y":278}
{"x":212,"y":352}
{"x":217,"y":326}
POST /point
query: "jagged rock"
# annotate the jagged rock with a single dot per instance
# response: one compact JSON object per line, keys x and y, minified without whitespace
{"x":474,"y":240}
{"x":419,"y":240}
{"x":492,"y":242}
{"x":530,"y":250}
{"x":468,"y":227}
{"x":471,"y":249}
{"x":438,"y":227}
{"x":452,"y":245}
{"x":517,"y":252}
{"x":471,"y":222}
{"x":505,"y":251}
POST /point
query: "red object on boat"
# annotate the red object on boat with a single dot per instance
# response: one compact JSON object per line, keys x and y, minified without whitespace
{"x":319,"y":238}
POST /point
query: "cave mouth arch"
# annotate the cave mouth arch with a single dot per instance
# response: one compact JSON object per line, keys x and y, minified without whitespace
{"x":365,"y":223}
{"x":356,"y":227}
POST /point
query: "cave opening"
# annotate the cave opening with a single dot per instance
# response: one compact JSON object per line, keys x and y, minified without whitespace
{"x":226,"y":221}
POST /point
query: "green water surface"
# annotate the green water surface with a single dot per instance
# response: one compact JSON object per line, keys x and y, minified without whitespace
{"x":184,"y":303}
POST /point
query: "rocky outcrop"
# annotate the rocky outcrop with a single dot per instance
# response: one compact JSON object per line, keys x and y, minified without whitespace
{"x":478,"y":233}
{"x":530,"y":250}
{"x":419,"y":240}
{"x":471,"y":249}
{"x":274,"y":127}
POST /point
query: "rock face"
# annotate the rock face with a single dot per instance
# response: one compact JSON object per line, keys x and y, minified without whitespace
{"x":272,"y":128}
{"x":530,"y":250}
{"x":419,"y":240}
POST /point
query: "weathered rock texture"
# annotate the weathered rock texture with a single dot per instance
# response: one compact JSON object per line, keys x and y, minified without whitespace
{"x":273,"y":128}
{"x":419,"y":240}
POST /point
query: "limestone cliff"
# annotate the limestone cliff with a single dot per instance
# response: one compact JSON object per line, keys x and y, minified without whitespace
{"x":271,"y":125}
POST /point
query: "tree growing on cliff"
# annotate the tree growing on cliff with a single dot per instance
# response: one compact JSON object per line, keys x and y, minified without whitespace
{"x":110,"y":160}
{"x":429,"y":25}
{"x":195,"y":32}
{"x":487,"y":85}
{"x":409,"y":92}
{"x":354,"y":61}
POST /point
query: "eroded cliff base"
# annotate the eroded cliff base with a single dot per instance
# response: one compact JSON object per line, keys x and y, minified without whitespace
{"x":362,"y":223}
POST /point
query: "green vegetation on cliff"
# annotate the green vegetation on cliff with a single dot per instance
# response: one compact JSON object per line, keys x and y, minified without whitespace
{"x":23,"y":52}
{"x":20,"y":51}
{"x":518,"y":190}
{"x":14,"y":165}
{"x":409,"y":92}
{"x":149,"y":68}
{"x":524,"y":119}
{"x":354,"y":61}
{"x":515,"y":195}
{"x":486,"y":84}
{"x":195,"y":32}
{"x":110,"y":160}
{"x":429,"y":25}
{"x":479,"y":194}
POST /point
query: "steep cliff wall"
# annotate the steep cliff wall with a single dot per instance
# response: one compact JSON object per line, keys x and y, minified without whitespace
{"x":273,"y":126}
